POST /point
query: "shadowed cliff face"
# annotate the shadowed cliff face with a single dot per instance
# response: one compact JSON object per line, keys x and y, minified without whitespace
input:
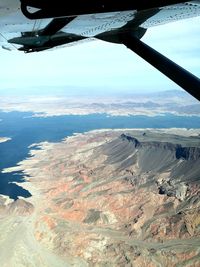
{"x":154,"y":156}
{"x":116,"y":199}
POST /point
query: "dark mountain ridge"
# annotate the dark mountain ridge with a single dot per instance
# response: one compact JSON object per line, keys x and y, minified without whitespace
{"x":150,"y":160}
{"x":180,"y":152}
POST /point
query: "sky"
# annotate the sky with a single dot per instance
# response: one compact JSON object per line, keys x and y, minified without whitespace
{"x":103,"y":66}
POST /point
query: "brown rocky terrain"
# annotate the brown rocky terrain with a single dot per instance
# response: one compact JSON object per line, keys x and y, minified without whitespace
{"x":108,"y":198}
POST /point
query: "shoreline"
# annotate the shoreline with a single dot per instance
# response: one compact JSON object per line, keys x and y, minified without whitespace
{"x":5,"y":139}
{"x":92,"y":197}
{"x":36,"y":149}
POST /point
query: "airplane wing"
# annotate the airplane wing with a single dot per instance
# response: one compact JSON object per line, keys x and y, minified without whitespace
{"x":54,"y":24}
{"x":33,"y":26}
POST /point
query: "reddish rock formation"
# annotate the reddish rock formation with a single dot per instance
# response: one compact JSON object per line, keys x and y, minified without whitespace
{"x":113,"y":199}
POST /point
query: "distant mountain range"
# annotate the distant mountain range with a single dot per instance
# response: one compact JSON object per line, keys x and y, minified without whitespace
{"x":61,"y":102}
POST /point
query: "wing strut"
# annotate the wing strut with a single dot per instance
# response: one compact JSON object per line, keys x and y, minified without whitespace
{"x":182,"y":77}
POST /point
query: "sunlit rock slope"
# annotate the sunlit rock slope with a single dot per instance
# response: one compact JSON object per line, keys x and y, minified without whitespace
{"x":115,"y":198}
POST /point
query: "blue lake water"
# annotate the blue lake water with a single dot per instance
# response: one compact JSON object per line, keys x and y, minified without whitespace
{"x":26,"y":130}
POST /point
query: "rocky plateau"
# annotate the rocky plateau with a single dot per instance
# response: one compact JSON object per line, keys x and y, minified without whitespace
{"x":128,"y":198}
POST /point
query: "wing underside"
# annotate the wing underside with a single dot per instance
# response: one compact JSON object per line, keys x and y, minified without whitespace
{"x":36,"y":35}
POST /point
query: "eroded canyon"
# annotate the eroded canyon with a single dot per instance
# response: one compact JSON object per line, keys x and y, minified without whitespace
{"x":107,"y":198}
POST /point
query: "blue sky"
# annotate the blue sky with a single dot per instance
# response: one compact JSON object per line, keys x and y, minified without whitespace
{"x":103,"y":66}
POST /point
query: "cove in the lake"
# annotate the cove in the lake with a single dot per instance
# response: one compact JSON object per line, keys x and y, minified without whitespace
{"x":26,"y":130}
